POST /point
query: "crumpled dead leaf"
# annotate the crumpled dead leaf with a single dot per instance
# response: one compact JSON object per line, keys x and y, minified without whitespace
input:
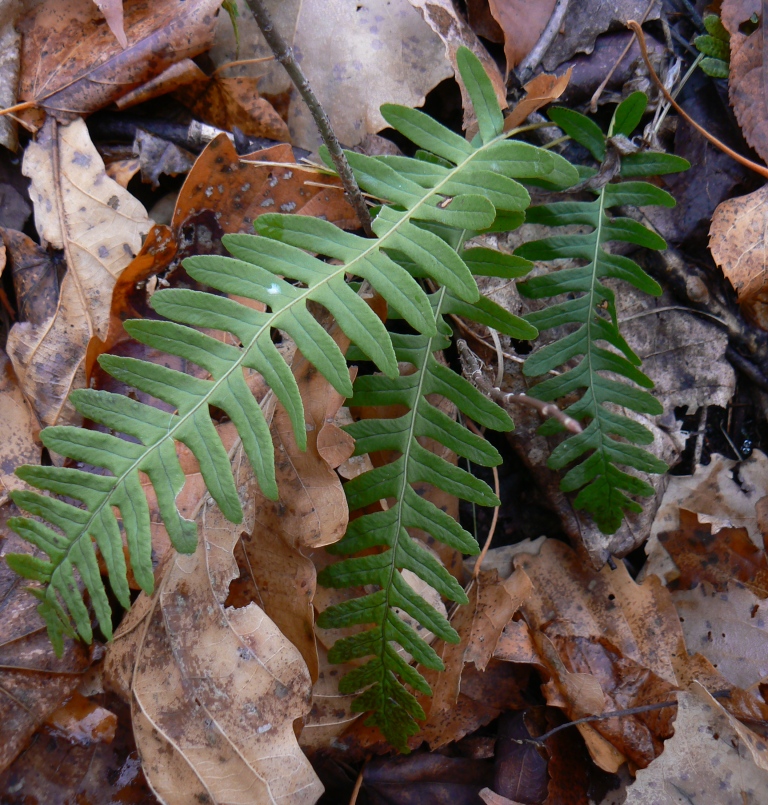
{"x":604,"y":630}
{"x":382,"y":52}
{"x":717,"y":497}
{"x":10,"y":58}
{"x":100,"y":226}
{"x":33,"y":681}
{"x":711,"y":758}
{"x":738,"y":245}
{"x":227,"y":102}
{"x":539,"y":91}
{"x":35,"y":275}
{"x":96,"y":70}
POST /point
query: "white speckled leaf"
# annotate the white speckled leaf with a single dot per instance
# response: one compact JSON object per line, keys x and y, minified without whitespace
{"x":100,"y":226}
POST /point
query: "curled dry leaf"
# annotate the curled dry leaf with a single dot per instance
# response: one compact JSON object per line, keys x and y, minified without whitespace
{"x":72,"y":65}
{"x":539,"y":92}
{"x":443,"y":19}
{"x":738,"y":245}
{"x":711,"y":758}
{"x":227,"y":102}
{"x":33,"y":681}
{"x":100,"y":226}
{"x":381,"y":52}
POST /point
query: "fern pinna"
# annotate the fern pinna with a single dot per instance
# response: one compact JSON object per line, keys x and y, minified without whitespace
{"x":282,"y":267}
{"x":591,"y":307}
{"x":383,"y":678}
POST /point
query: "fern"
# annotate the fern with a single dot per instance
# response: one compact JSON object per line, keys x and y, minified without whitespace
{"x":277,"y":269}
{"x":591,"y":307}
{"x":394,"y":708}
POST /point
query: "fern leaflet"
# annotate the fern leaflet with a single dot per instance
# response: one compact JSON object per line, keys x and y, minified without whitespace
{"x":592,"y":308}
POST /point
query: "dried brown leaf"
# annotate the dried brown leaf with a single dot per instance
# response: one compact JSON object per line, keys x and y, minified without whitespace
{"x":729,"y":555}
{"x":72,"y":65}
{"x":100,"y":226}
{"x":227,"y":102}
{"x":539,"y":91}
{"x":523,"y":22}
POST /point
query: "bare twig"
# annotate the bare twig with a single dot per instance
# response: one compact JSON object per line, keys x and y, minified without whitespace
{"x":472,"y":369}
{"x":756,"y":167}
{"x":630,"y":711}
{"x":527,"y":66}
{"x":284,"y":54}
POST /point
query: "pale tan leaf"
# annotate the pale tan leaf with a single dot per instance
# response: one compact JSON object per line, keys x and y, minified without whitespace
{"x":20,"y":443}
{"x":113,"y":14}
{"x":216,"y":689}
{"x":711,"y":758}
{"x":729,"y":628}
{"x":99,"y":225}
{"x":357,"y":56}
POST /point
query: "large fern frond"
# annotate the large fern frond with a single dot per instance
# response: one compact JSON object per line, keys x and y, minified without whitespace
{"x":384,"y":677}
{"x":590,"y":306}
{"x":284,"y":269}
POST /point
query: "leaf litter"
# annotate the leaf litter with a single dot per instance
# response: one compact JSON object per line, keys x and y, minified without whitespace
{"x":224,"y":667}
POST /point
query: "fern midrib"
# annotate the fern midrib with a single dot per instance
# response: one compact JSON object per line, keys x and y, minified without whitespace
{"x":404,"y":481}
{"x":376,"y":245}
{"x":590,"y":322}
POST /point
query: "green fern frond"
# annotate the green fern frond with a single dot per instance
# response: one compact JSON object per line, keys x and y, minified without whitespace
{"x":590,"y":306}
{"x":383,"y":678}
{"x":282,"y":268}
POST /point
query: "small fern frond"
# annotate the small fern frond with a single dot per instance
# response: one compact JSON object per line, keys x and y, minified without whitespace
{"x":590,"y":307}
{"x":493,"y":171}
{"x":284,"y":269}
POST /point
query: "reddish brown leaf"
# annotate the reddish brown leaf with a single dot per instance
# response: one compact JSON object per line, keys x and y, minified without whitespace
{"x":523,"y":22}
{"x":728,"y":555}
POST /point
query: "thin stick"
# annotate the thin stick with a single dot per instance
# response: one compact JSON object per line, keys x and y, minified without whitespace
{"x":599,"y":91}
{"x":748,"y":163}
{"x":526,"y":67}
{"x":19,"y":107}
{"x":241,"y":62}
{"x":358,"y":784}
{"x":284,"y":54}
{"x":631,"y":711}
{"x":492,"y":529}
{"x":472,"y":368}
